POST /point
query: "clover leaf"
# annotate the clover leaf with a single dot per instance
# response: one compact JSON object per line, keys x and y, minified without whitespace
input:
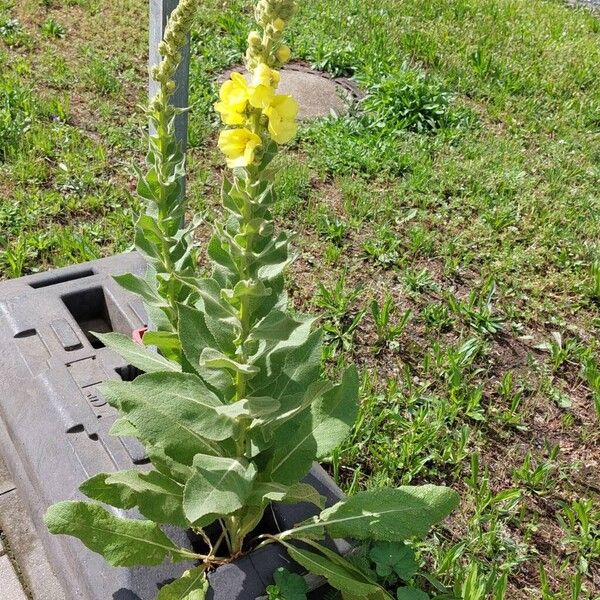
{"x":394,"y":557}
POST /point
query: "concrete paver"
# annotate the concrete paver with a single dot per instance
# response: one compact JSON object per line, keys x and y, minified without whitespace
{"x":9,"y":582}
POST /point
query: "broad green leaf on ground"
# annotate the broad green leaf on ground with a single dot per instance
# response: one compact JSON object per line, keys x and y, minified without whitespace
{"x":174,"y":410}
{"x":411,"y":593}
{"x":288,"y":586}
{"x":158,"y":497}
{"x":339,"y":575}
{"x":192,"y":585}
{"x":393,"y":514}
{"x":140,"y":357}
{"x":122,"y":542}
{"x":218,"y":487}
{"x":394,"y":557}
{"x":316,"y":432}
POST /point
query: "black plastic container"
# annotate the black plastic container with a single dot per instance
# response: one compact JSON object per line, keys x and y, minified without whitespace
{"x":54,"y":426}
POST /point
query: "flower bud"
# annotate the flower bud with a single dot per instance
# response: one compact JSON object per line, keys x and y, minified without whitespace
{"x":254,"y":39}
{"x":279,"y":24}
{"x":283,"y":54}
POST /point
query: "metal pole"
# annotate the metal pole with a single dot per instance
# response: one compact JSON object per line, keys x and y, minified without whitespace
{"x":159,"y":15}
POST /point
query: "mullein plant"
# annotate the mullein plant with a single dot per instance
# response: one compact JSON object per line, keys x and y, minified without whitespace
{"x":232,"y":405}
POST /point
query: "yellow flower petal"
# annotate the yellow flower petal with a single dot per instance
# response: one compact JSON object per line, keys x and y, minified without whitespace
{"x":282,"y":118}
{"x":238,"y":145}
{"x":234,"y":92}
{"x":261,"y":96}
{"x":229,"y":116}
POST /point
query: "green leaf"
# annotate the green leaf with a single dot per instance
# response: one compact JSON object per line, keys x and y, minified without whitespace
{"x":167,"y":466}
{"x":213,"y":359}
{"x":141,"y":287}
{"x":192,"y":585}
{"x":136,"y":355}
{"x":158,"y":497}
{"x":411,"y":593}
{"x":339,"y":573}
{"x":246,"y":289}
{"x":122,"y":542}
{"x":291,"y":366}
{"x":394,"y":557}
{"x":123,"y":428}
{"x":386,"y":514}
{"x":277,"y":492}
{"x":218,"y":487}
{"x":276,"y":326}
{"x":251,"y":408}
{"x":196,"y":334}
{"x":173,"y":410}
{"x":165,"y":341}
{"x":96,"y":488}
{"x":288,"y":586}
{"x":316,"y":432}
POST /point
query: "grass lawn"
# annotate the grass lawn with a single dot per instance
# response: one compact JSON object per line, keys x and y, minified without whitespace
{"x":449,"y":231}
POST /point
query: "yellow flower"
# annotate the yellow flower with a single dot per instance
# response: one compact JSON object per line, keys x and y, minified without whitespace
{"x":264,"y":83}
{"x":279,"y":24}
{"x":282,"y":118}
{"x":261,"y":96}
{"x":234,"y":99}
{"x":238,"y":145}
{"x":264,"y":75}
{"x":283,"y":54}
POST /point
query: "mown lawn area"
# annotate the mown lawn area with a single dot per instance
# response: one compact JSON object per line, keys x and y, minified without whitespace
{"x":449,"y":237}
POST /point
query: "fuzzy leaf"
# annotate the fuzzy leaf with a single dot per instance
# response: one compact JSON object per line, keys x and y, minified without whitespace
{"x":136,"y":355}
{"x":316,"y":432}
{"x":158,"y":497}
{"x":199,"y":330}
{"x":192,"y":585}
{"x":141,"y":287}
{"x":167,"y":466}
{"x":276,"y":326}
{"x":213,"y":359}
{"x":294,"y":494}
{"x":387,"y":514}
{"x":218,"y":487}
{"x":122,"y":542}
{"x":174,"y":410}
{"x":96,"y":488}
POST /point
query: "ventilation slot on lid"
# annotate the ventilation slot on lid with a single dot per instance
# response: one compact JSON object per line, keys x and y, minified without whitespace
{"x":50,"y":279}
